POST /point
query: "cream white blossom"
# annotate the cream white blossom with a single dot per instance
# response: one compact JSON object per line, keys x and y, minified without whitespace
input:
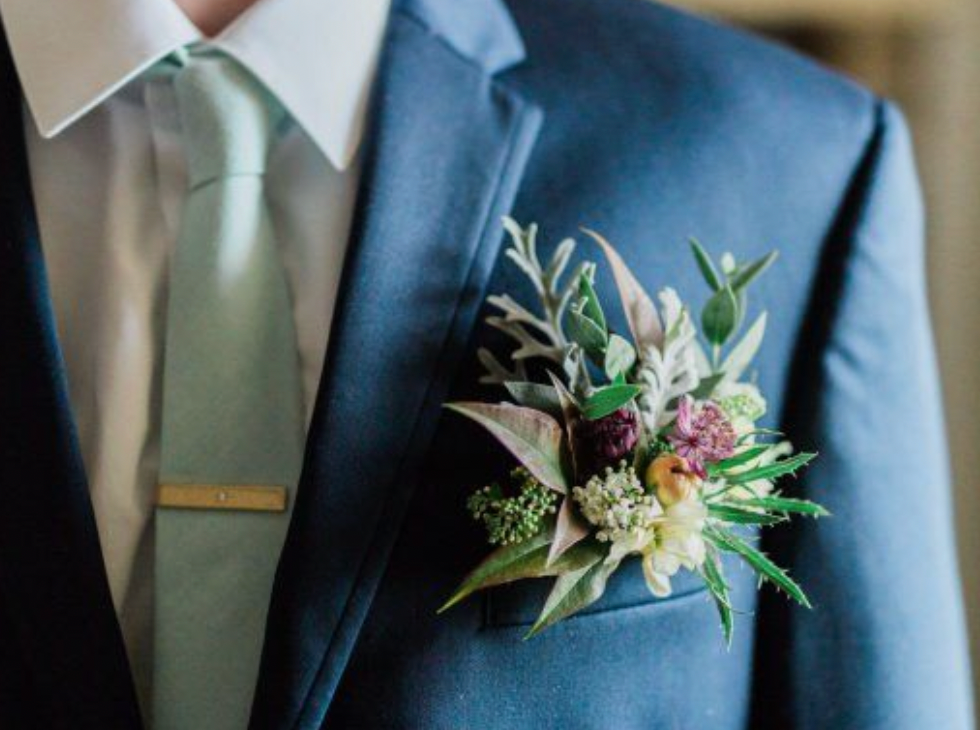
{"x":678,"y":543}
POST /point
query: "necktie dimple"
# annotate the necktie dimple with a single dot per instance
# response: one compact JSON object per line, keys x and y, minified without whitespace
{"x":232,"y":414}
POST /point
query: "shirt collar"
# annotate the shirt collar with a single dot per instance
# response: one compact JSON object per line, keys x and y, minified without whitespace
{"x":317,"y":56}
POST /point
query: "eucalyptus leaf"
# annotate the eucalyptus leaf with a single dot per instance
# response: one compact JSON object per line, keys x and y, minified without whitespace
{"x":707,"y":267}
{"x":620,"y":357}
{"x":535,"y":395}
{"x":719,"y":318}
{"x":644,"y":322}
{"x":582,"y":330}
{"x":590,"y":300}
{"x":759,"y":562}
{"x":773,"y":470}
{"x":609,"y":399}
{"x":576,"y":589}
{"x":741,"y":356}
{"x":753,"y":270}
{"x":535,"y":438}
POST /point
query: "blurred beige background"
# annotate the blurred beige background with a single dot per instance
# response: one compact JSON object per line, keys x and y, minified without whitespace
{"x":925,"y":54}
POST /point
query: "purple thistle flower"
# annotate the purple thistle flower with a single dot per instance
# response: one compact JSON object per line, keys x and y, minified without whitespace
{"x":605,"y":441}
{"x":701,"y":434}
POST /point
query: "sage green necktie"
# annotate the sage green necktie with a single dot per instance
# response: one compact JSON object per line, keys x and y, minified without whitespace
{"x":232,"y":427}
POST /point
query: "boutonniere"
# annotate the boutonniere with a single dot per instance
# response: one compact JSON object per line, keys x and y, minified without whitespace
{"x":639,"y":445}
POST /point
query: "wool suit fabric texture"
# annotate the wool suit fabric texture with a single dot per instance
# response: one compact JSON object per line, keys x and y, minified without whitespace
{"x":649,"y":126}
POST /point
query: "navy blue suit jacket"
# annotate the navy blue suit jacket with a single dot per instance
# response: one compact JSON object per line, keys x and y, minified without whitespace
{"x":649,"y":126}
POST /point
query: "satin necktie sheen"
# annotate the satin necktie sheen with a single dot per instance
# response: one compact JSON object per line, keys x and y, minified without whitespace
{"x":232,"y":426}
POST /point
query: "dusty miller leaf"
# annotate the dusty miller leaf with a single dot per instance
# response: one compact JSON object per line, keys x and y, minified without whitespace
{"x":671,"y":371}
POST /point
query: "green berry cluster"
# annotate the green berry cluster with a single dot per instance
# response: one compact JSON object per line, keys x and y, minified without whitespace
{"x":510,"y":520}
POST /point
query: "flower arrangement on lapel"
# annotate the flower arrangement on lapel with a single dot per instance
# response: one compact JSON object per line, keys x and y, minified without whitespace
{"x":644,"y":446}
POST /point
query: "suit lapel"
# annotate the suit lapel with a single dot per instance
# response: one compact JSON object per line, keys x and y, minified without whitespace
{"x":52,"y":578}
{"x":448,"y":149}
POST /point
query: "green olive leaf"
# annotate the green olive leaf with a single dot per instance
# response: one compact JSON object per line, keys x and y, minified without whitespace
{"x":720,"y":316}
{"x":706,"y":266}
{"x":620,"y":357}
{"x":609,"y":399}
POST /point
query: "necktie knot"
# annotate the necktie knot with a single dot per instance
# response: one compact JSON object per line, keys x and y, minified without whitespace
{"x":228,"y":118}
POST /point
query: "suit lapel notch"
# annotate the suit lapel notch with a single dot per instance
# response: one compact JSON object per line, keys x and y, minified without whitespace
{"x":449,"y":147}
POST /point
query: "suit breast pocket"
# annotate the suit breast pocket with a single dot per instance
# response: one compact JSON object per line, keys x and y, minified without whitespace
{"x":520,"y":603}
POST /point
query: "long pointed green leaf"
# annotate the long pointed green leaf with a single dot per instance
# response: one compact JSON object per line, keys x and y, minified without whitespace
{"x":532,"y":436}
{"x":705,"y":264}
{"x":786,"y":504}
{"x":753,"y":270}
{"x":575,"y":589}
{"x":528,"y":559}
{"x":738,"y":515}
{"x":505,"y":564}
{"x":774,"y":470}
{"x":751,"y":453}
{"x":759,"y":561}
{"x":711,"y":572}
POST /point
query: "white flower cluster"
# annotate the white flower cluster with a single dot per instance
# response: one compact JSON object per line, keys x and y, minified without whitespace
{"x":635,"y":522}
{"x":617,"y":504}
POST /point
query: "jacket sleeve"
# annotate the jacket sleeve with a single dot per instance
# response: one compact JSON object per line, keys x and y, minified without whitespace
{"x":885,"y":646}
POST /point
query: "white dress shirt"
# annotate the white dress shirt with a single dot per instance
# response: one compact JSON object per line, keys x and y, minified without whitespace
{"x":108,"y":174}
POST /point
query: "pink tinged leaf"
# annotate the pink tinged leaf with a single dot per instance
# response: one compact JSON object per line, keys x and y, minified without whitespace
{"x":576,"y":589}
{"x":644,"y":322}
{"x":528,"y":559}
{"x":570,"y":413}
{"x":569,"y":529}
{"x":535,"y":438}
